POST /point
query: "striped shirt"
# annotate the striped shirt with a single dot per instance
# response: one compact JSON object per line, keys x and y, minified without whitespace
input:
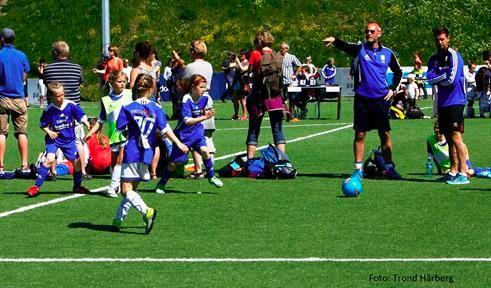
{"x":68,"y":74}
{"x":290,"y":63}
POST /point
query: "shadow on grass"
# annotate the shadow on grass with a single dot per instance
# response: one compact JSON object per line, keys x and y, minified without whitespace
{"x":324,"y":175}
{"x":476,"y":189}
{"x":105,"y":228}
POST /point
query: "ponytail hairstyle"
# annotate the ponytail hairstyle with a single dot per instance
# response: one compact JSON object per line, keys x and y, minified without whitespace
{"x":194,"y":81}
{"x":144,"y":85}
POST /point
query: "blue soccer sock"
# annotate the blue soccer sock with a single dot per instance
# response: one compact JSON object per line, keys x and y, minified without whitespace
{"x":209,"y":168}
{"x":77,"y":179}
{"x":42,"y":173}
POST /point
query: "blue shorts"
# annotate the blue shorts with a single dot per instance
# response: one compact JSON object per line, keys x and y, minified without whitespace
{"x":70,"y":150}
{"x":180,"y":157}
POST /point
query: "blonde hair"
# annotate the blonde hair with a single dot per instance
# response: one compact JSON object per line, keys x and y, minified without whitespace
{"x":198,"y":48}
{"x":115,"y":74}
{"x":60,"y":48}
{"x":267,"y":39}
{"x":55,"y":86}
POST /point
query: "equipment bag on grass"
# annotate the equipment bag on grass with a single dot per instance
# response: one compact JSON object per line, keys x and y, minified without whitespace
{"x":278,"y":166}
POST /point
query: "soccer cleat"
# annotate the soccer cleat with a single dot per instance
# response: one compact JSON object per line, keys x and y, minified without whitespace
{"x":160,"y":189}
{"x":117,"y":225}
{"x":357,"y":173}
{"x":111,"y":192}
{"x":33,"y":191}
{"x":215,"y":182}
{"x":460,"y":179}
{"x":81,"y":190}
{"x":149,"y":219}
{"x":392,"y":174}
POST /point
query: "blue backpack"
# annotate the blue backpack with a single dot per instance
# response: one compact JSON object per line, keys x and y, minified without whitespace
{"x":278,"y":166}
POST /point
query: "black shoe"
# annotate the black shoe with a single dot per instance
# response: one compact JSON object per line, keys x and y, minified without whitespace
{"x":87,"y":176}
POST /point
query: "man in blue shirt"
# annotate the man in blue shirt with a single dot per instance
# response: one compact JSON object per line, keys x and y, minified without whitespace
{"x":446,"y":71}
{"x":13,"y":73}
{"x":372,"y":93}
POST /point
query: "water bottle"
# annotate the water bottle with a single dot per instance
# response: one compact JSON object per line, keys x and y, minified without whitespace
{"x":429,"y":168}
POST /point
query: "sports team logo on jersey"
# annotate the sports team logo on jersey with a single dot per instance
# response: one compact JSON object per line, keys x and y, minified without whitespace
{"x":382,"y":58}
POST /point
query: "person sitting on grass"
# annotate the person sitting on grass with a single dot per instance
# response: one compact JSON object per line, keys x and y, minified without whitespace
{"x":437,"y":148}
{"x":142,"y":120}
{"x":57,"y":121}
{"x":190,"y":131}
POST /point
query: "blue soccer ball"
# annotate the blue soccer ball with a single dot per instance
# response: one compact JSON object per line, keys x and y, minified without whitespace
{"x":352,"y":187}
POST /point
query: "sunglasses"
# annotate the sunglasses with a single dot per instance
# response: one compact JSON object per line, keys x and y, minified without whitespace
{"x":370,"y":31}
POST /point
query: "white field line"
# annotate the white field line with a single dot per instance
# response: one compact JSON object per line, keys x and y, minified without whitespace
{"x":238,"y":260}
{"x":54,"y":201}
{"x":62,"y":199}
{"x":289,"y":141}
{"x":285,"y":126}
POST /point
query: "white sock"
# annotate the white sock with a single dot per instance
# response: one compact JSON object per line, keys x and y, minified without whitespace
{"x":358,"y":165}
{"x":123,"y":209}
{"x":115,"y":177}
{"x":137,"y":202}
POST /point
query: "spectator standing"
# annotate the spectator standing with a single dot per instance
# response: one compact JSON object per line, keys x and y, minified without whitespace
{"x":312,"y":68}
{"x":240,"y":85}
{"x":13,"y":72}
{"x":258,"y":104}
{"x":483,"y":84}
{"x":329,"y":72}
{"x":127,"y":71}
{"x":419,"y":73}
{"x":291,"y":65}
{"x":372,"y":94}
{"x":70,"y":76}
{"x":446,"y":71}
{"x":113,"y":62}
{"x":41,"y":87}
{"x":470,"y":89}
{"x":411,"y":91}
{"x":229,"y":71}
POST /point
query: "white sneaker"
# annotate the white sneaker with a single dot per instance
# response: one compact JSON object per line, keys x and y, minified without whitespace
{"x":215,"y":182}
{"x":111,"y":193}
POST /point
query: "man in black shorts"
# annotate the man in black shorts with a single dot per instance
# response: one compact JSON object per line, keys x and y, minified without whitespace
{"x":446,"y":71}
{"x":371,"y":107}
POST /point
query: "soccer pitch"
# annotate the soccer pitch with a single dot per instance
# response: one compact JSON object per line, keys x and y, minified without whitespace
{"x":260,"y":233}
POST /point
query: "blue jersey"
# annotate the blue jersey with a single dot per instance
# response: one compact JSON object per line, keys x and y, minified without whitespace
{"x":13,"y":65}
{"x":141,"y":118}
{"x":62,"y":120}
{"x":189,"y":110}
{"x":329,"y":74}
{"x":371,"y":71}
{"x":446,"y":70}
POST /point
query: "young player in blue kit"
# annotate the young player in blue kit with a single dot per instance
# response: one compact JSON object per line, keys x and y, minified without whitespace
{"x":144,"y":121}
{"x":190,"y":131}
{"x":57,"y":121}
